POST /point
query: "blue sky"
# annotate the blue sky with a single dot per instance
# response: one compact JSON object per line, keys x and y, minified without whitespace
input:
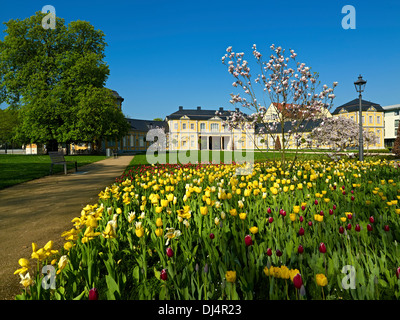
{"x":165,"y":54}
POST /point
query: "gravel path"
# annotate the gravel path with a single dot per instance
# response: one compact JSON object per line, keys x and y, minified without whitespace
{"x":40,"y":210}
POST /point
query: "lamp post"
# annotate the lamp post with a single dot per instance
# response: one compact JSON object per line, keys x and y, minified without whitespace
{"x":360,"y":86}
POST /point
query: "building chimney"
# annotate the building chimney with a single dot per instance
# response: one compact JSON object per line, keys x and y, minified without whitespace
{"x":180,"y":108}
{"x":221,"y":109}
{"x":237,"y":109}
{"x":198,"y":108}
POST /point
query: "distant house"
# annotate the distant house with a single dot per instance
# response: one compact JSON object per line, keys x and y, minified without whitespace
{"x":392,"y":119}
{"x":203,"y":129}
{"x":135,"y":141}
{"x":372,"y":117}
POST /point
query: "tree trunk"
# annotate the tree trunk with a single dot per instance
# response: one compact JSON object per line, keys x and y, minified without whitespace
{"x":52,"y":145}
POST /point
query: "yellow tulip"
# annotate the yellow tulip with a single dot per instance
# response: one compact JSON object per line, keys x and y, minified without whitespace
{"x":253,"y":230}
{"x":62,"y":263}
{"x":230,"y":276}
{"x":274,"y":190}
{"x":242,"y":215}
{"x":159,"y":232}
{"x":159,"y":222}
{"x":139,"y":232}
{"x":203,"y":210}
{"x":233,"y":212}
{"x":26,"y":280}
{"x":321,"y":279}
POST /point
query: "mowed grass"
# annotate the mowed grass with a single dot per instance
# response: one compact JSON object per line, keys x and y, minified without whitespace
{"x":15,"y":169}
{"x":218,"y":157}
{"x":227,"y":156}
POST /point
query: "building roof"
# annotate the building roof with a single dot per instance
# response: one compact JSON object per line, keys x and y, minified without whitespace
{"x":308,"y":125}
{"x":198,"y":114}
{"x":392,"y":107}
{"x":354,"y":105}
{"x":146,"y":125}
{"x":116,"y":95}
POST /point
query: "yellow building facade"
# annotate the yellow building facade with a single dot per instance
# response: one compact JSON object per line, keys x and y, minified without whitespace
{"x":373,"y":119}
{"x":199,"y":129}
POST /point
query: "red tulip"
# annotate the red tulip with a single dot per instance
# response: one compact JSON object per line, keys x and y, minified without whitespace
{"x":369,"y":227}
{"x":297,"y":281}
{"x":170,"y":252}
{"x":334,"y":207}
{"x":316,"y":202}
{"x":321,"y":213}
{"x":357,"y":228}
{"x":343,"y":187}
{"x":300,"y":249}
{"x":341,"y":229}
{"x":344,"y":193}
{"x":322,"y":247}
{"x":386,"y":228}
{"x":334,"y":187}
{"x":270,"y":219}
{"x":398,"y":272}
{"x":371,"y":219}
{"x":278,"y":252}
{"x":163,"y":274}
{"x":301,"y":218}
{"x":348,"y":226}
{"x":212,"y":236}
{"x":269,"y":210}
{"x":282,"y":212}
{"x":247,"y":240}
{"x":269,"y":252}
{"x":330,"y":211}
{"x":93,"y":294}
{"x":352,"y":198}
{"x":310,"y":223}
{"x":301,"y":231}
{"x":303,"y":208}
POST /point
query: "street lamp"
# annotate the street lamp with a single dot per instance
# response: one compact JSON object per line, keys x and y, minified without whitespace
{"x":360,"y":86}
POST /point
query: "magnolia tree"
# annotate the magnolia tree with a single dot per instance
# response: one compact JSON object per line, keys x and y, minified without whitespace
{"x":291,"y":87}
{"x":338,"y":134}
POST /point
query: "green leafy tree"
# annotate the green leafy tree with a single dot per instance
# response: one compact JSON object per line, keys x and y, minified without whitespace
{"x":54,"y":77}
{"x":8,"y":124}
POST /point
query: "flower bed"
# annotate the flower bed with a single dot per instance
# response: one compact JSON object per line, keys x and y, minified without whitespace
{"x":324,"y":230}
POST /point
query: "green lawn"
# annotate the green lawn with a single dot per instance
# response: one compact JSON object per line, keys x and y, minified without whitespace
{"x":221,"y":156}
{"x":16,"y":169}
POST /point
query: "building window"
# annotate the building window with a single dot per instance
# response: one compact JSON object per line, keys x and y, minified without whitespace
{"x":176,"y":126}
{"x":396,"y":125}
{"x":378,"y":119}
{"x":131,"y":140}
{"x":370,"y":119}
{"x":183,"y":143}
{"x":192,"y":126}
{"x":352,"y":117}
{"x":192,"y":143}
{"x":141,"y":141}
{"x":214,"y":127}
{"x":183,"y":126}
{"x":363,"y":119}
{"x":202,"y":126}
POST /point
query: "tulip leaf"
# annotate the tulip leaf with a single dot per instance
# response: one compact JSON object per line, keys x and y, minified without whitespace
{"x":80,"y":296}
{"x":136,"y":272}
{"x":157,"y":273}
